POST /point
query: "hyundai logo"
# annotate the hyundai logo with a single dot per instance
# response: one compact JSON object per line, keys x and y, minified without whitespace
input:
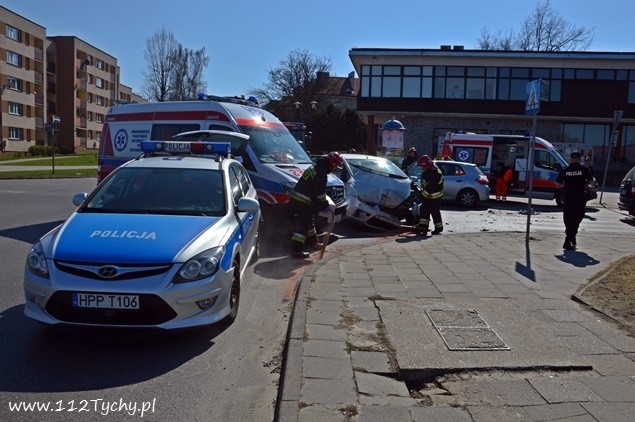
{"x":108,"y":271}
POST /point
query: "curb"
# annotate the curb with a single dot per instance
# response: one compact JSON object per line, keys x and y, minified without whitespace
{"x":288,"y":397}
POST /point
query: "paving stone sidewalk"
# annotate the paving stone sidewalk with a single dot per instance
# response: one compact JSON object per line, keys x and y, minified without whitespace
{"x":459,"y":327}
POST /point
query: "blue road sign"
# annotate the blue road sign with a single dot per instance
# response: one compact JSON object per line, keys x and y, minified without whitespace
{"x":532,"y":97}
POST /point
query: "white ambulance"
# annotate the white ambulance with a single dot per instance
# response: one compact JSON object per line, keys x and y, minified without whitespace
{"x":273,"y":157}
{"x":491,"y":151}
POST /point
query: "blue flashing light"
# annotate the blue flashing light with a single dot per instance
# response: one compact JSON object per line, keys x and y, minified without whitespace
{"x":197,"y":147}
{"x":202,"y":96}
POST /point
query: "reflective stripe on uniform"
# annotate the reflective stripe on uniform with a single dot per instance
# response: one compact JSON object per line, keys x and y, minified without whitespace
{"x":298,"y":237}
{"x":300,"y":198}
{"x":435,"y":195}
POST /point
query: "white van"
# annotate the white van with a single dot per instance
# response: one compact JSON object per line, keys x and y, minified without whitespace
{"x":273,"y":157}
{"x":488,"y":151}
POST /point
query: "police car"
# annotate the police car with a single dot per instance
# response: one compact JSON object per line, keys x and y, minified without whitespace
{"x":162,"y":242}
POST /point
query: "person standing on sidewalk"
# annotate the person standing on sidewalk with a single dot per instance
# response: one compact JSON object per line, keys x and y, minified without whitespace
{"x":308,"y":199}
{"x":573,"y":179}
{"x":432,"y":186}
{"x":503,"y":178}
{"x":409,"y":159}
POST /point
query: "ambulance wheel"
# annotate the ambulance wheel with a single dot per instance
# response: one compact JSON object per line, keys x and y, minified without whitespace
{"x":467,"y":198}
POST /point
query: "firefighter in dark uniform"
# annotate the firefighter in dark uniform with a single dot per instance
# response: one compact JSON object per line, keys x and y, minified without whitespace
{"x":309,"y":199}
{"x":573,"y":179}
{"x":432,"y":186}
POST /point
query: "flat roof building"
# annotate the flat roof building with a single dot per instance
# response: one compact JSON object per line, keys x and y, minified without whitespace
{"x":451,"y":89}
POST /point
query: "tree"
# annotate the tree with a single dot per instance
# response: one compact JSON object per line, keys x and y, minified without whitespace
{"x":172,"y":72}
{"x":543,"y":30}
{"x":295,"y":80}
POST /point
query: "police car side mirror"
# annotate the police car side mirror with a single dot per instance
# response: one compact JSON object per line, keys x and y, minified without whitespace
{"x":79,"y":198}
{"x":248,"y":205}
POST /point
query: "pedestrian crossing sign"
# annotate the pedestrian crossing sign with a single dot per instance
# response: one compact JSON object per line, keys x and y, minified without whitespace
{"x":532,"y":104}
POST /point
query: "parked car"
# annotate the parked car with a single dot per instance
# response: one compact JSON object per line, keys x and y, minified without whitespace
{"x":162,"y":242}
{"x":463,"y":183}
{"x":378,"y":192}
{"x":626,"y":200}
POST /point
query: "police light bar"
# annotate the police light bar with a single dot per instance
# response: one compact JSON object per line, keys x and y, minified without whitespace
{"x":197,"y":147}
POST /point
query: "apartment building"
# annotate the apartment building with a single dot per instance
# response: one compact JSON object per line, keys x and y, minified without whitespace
{"x":22,"y":91}
{"x":45,"y":77}
{"x":87,"y":83}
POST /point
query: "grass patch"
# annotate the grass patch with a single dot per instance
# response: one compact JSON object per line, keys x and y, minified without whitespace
{"x":614,"y":293}
{"x":48,"y":174}
{"x":62,"y":160}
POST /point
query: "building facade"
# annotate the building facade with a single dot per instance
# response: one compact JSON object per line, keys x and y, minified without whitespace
{"x":22,"y":91}
{"x":53,"y":78}
{"x":435,"y":91}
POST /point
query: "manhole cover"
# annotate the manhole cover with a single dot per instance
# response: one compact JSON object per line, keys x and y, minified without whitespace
{"x":464,"y":329}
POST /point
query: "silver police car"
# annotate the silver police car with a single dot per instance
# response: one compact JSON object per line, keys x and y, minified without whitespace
{"x":162,"y":242}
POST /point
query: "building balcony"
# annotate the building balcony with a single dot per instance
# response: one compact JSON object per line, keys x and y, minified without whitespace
{"x":81,"y":122}
{"x":38,"y":54}
{"x":39,"y":123}
{"x":39,"y":99}
{"x":39,"y":78}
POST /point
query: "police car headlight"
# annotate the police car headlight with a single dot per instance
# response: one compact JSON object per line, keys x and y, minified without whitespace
{"x":201,"y":266}
{"x":36,"y":261}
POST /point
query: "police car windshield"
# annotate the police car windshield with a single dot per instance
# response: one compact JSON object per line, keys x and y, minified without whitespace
{"x":173,"y":191}
{"x":275,"y":146}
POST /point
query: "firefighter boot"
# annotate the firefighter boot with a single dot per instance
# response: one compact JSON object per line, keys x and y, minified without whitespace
{"x":312,"y":243}
{"x":438,"y":228}
{"x":297,"y":250}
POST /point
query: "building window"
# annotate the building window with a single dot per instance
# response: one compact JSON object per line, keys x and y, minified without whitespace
{"x":100,"y":100}
{"x":15,"y":133}
{"x":595,"y":137}
{"x":90,"y":116}
{"x":13,"y":33}
{"x":99,"y":64}
{"x":99,"y":82}
{"x":628,"y":145}
{"x":14,"y":83}
{"x":15,"y":108}
{"x":14,"y":58}
{"x":99,"y":118}
{"x":98,"y":135}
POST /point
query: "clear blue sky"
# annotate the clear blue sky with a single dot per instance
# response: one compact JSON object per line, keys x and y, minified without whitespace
{"x":245,"y":38}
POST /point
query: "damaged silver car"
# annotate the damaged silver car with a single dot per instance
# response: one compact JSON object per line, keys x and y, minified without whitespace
{"x":379,"y":193}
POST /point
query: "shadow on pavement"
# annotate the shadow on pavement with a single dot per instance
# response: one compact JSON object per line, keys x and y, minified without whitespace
{"x":30,"y":234}
{"x":577,"y":259}
{"x":38,"y":358}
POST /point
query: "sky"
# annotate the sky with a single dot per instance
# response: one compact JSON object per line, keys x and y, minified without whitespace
{"x":245,"y":38}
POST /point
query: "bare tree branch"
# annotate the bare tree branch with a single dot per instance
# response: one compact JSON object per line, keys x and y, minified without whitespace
{"x":543,"y":30}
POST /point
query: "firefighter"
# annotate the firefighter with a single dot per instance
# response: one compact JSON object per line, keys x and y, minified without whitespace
{"x":432,"y":186}
{"x":573,"y":179}
{"x":308,"y":199}
{"x":409,"y":159}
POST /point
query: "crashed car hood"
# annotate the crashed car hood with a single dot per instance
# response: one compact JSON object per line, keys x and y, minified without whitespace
{"x":377,"y":189}
{"x":127,"y":238}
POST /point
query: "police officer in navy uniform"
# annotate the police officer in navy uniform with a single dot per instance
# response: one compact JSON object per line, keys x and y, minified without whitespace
{"x":573,"y":179}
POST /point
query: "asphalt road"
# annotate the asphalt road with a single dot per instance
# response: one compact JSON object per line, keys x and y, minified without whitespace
{"x":209,"y":374}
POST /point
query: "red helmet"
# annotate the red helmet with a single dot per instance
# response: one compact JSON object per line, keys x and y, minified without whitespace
{"x":335,"y":159}
{"x":424,"y":161}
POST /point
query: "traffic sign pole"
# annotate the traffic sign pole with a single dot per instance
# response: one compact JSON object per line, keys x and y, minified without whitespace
{"x":532,"y":107}
{"x":617,"y":115}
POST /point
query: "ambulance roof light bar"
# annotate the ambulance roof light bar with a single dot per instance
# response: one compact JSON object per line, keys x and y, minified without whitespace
{"x":197,"y":147}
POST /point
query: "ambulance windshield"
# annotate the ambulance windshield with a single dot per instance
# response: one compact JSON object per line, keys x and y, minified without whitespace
{"x":275,"y":146}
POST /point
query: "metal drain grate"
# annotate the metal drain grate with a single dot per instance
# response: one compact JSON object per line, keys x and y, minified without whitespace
{"x":464,"y":329}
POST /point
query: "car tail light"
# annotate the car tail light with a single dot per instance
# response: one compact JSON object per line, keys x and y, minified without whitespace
{"x":482,"y":180}
{"x":633,"y":192}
